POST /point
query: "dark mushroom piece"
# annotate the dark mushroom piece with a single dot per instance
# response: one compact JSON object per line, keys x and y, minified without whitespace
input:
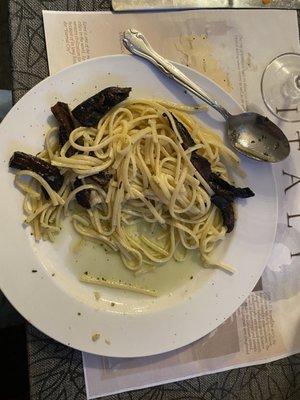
{"x":226,"y":209}
{"x":50,"y":173}
{"x":84,"y":196}
{"x":102,"y":179}
{"x":64,"y":117}
{"x":187,"y":140}
{"x":89,"y":112}
{"x":239,"y":192}
{"x":202,"y":165}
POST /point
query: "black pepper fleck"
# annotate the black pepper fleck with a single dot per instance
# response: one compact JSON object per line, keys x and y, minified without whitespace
{"x":34,"y":270}
{"x":112,"y":304}
{"x":191,"y":277}
{"x":78,"y":313}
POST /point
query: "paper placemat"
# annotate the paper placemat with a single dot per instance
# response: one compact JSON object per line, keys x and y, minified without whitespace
{"x":232,"y":48}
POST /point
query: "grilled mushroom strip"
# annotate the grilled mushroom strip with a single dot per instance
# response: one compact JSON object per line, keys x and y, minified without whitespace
{"x":102,"y":178}
{"x":63,"y":115}
{"x":84,"y":196}
{"x":50,"y":173}
{"x":89,"y":112}
{"x":226,"y":208}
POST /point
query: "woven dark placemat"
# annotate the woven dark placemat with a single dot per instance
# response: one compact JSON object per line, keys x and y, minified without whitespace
{"x":55,"y":371}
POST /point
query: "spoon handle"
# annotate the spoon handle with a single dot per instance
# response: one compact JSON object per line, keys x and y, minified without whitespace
{"x":136,"y":43}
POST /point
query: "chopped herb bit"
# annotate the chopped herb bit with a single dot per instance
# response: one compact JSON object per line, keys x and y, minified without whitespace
{"x":86,"y":273}
{"x":191,"y":277}
{"x":53,"y":274}
{"x":112,"y":304}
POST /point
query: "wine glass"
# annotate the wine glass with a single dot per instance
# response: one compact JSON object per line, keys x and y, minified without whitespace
{"x":280,"y":87}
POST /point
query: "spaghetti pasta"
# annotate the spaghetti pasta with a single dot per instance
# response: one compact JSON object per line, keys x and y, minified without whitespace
{"x":155,"y":206}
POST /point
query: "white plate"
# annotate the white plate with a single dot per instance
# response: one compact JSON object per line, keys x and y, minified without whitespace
{"x":136,"y":325}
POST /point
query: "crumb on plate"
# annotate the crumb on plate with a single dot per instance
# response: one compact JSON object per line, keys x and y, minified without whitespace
{"x":95,"y":337}
{"x":97,"y":295}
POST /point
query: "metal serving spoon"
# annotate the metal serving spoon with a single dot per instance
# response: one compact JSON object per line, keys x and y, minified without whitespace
{"x":250,"y":133}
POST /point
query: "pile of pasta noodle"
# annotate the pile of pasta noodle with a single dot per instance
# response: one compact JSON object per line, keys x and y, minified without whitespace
{"x":152,"y":183}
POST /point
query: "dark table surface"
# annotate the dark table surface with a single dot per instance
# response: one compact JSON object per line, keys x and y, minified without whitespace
{"x":56,"y":371}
